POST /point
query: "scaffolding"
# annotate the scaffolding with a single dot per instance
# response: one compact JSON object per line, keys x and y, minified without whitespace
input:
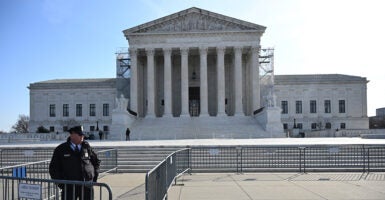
{"x":123,"y":72}
{"x":266,"y":76}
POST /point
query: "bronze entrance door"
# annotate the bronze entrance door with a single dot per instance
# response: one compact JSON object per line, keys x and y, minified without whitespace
{"x":194,"y":101}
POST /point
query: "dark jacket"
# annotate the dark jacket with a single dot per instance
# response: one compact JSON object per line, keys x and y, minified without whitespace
{"x":66,"y":164}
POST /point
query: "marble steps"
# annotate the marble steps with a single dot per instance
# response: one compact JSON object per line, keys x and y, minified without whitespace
{"x":196,"y":128}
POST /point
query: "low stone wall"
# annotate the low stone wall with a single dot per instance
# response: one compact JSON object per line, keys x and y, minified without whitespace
{"x":345,"y":133}
{"x":31,"y":137}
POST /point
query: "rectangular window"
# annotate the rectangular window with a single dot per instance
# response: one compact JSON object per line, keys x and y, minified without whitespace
{"x":328,"y":107}
{"x":284,"y":107}
{"x":92,"y":128}
{"x":342,"y":125}
{"x":51,"y":129}
{"x":313,"y":106}
{"x":79,"y":110}
{"x":298,"y":107}
{"x":299,"y":125}
{"x":328,"y":125}
{"x":65,"y":110}
{"x":313,"y":126}
{"x":92,"y":109}
{"x":52,"y":112}
{"x":105,"y":128}
{"x":341,"y":106}
{"x":106,"y":109}
{"x":65,"y":128}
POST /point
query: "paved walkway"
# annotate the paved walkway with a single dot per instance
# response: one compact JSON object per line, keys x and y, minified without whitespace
{"x":253,"y":186}
{"x":287,"y":186}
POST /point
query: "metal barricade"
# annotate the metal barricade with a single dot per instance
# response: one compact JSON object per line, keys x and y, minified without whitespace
{"x":13,"y":157}
{"x":315,"y":158}
{"x":32,"y":188}
{"x":109,"y":160}
{"x":37,"y":169}
{"x":160,"y":178}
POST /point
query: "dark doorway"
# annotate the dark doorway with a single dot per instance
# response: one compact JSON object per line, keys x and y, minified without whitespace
{"x":194,"y":102}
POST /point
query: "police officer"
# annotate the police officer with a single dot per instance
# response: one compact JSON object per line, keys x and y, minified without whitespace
{"x":75,"y":160}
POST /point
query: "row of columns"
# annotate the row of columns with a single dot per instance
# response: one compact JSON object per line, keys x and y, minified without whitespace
{"x":184,"y":81}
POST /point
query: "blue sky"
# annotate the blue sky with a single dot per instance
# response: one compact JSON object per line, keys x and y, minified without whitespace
{"x":57,"y":39}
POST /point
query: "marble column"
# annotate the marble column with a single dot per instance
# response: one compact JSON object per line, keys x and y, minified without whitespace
{"x":167,"y":82}
{"x":221,"y":80}
{"x":203,"y":81}
{"x":150,"y":83}
{"x":255,"y":79}
{"x":134,"y":80}
{"x":184,"y":74}
{"x":238,"y":80}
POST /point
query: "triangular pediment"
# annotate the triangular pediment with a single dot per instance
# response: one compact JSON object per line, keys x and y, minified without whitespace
{"x":194,"y":20}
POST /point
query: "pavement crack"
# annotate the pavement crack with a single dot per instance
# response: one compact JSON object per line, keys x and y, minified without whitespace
{"x":243,"y":190}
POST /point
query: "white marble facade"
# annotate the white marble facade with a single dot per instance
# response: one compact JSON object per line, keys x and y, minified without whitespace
{"x":59,"y":104}
{"x":338,"y":100}
{"x":194,"y":60}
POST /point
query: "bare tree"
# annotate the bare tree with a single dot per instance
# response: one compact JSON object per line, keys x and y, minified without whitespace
{"x":21,"y":125}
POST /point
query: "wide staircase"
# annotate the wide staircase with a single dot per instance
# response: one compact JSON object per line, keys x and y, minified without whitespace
{"x":165,"y":128}
{"x":141,"y":159}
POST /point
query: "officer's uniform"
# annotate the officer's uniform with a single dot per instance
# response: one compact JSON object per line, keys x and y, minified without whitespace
{"x":68,"y":163}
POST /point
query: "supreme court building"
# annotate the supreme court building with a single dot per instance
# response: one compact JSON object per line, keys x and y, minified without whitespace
{"x":196,"y":74}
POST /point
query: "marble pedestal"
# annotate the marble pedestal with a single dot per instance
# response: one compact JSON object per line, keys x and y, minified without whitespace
{"x":121,"y":120}
{"x":270,"y":120}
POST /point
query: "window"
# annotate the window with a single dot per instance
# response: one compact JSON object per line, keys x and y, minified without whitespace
{"x":105,"y":128}
{"x":92,"y":128}
{"x":341,"y":106}
{"x":342,"y":125}
{"x":92,"y":110}
{"x":299,"y":125}
{"x":65,"y":110}
{"x":285,"y":126}
{"x":65,"y":128}
{"x":106,"y":109}
{"x":328,"y":125}
{"x":284,"y":107}
{"x":51,"y":129}
{"x":313,"y":106}
{"x":313,"y":126}
{"x":328,"y":107}
{"x":79,"y":110}
{"x":52,"y":112}
{"x":298,"y":107}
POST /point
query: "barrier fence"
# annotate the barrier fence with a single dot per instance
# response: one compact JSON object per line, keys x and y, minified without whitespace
{"x":32,"y":188}
{"x":355,"y":158}
{"x":160,"y":178}
{"x":14,"y":157}
{"x":33,"y":178}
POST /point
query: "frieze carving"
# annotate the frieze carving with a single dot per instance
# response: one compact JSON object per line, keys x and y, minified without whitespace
{"x":194,"y":22}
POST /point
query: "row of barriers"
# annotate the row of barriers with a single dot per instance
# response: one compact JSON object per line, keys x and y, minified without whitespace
{"x":314,"y":158}
{"x":31,"y":180}
{"x":240,"y":159}
{"x":302,"y":159}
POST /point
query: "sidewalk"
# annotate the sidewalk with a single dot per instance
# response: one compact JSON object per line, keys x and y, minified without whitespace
{"x":228,"y":186}
{"x":255,"y":186}
{"x":128,"y":186}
